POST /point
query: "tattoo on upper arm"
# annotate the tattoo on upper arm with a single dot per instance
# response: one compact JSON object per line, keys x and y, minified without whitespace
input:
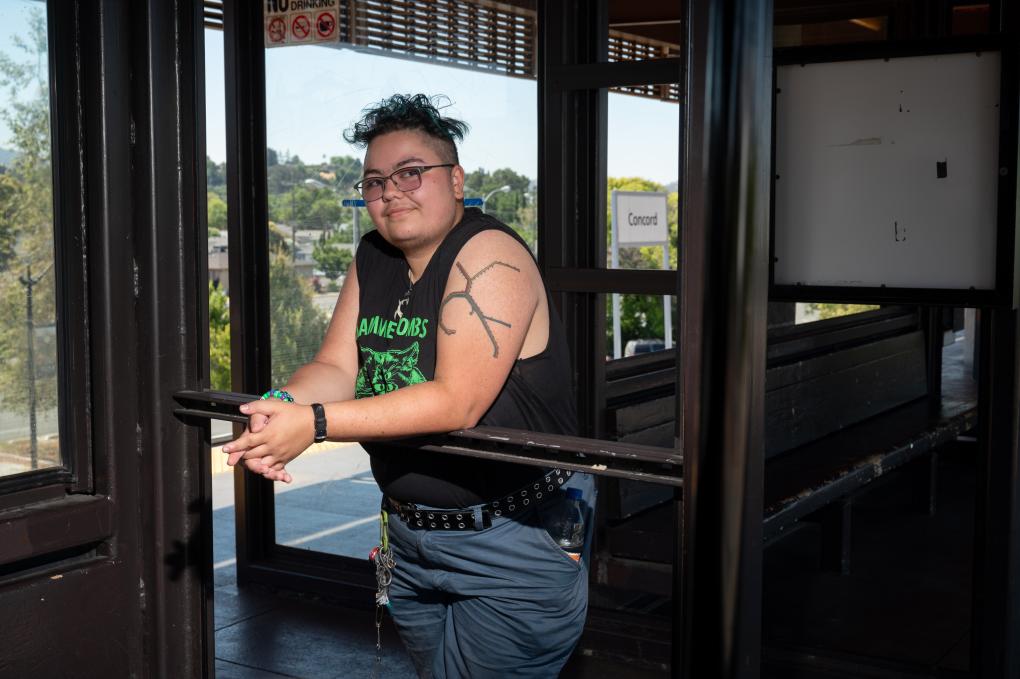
{"x":465,"y":294}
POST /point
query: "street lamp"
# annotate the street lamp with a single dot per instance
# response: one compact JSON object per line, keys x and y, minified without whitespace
{"x":293,"y":224}
{"x":502,"y":189}
{"x":29,"y":282}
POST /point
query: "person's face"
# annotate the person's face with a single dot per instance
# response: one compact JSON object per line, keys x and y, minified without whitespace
{"x":422,"y":216}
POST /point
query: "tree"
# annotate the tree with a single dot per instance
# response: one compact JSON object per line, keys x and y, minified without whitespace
{"x":215,"y":174}
{"x":333,"y":255}
{"x":515,"y":207}
{"x":346,"y":172}
{"x":297,"y":326}
{"x":219,"y":339}
{"x":26,"y":216}
{"x":217,"y":214}
{"x":11,"y":205}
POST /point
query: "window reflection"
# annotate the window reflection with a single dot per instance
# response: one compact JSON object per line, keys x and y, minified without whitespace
{"x":643,"y":145}
{"x":808,"y":312}
{"x":641,"y":30}
{"x":842,"y":31}
{"x":28,"y":339}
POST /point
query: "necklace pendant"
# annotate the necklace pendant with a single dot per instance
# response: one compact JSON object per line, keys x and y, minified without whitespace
{"x":403,"y":302}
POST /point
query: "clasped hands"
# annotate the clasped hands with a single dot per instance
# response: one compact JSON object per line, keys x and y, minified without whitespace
{"x":277,"y":432}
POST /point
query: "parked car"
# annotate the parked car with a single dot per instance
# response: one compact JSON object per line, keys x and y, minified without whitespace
{"x":643,"y":346}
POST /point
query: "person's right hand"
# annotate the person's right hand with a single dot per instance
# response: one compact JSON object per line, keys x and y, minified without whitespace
{"x":276,"y":472}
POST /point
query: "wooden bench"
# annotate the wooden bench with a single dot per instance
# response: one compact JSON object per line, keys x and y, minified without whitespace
{"x":847,"y":402}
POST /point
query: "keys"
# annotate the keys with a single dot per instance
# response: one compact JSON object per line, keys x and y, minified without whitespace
{"x":384,"y":565}
{"x":384,"y":562}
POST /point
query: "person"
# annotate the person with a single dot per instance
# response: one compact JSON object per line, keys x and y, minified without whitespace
{"x":444,"y":323}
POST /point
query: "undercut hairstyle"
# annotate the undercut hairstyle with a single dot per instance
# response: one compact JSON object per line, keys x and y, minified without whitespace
{"x":416,"y":112}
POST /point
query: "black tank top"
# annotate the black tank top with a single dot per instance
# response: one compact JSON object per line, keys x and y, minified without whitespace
{"x":396,"y":335}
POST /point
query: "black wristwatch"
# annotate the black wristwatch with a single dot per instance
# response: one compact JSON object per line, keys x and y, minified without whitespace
{"x":320,"y":422}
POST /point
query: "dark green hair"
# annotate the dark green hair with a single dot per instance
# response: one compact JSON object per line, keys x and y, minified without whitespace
{"x":410,"y":112}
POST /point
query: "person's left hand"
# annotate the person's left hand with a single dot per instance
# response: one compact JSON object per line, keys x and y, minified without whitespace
{"x":287,"y":431}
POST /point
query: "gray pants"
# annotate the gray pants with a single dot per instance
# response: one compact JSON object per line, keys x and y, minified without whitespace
{"x":505,"y":601}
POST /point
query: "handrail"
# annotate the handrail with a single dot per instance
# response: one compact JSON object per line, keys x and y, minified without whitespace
{"x":606,"y":458}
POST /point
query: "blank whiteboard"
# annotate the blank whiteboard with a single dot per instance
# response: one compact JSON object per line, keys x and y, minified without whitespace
{"x":887,"y":172}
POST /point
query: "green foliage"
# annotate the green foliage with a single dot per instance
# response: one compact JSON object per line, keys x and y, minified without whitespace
{"x":824,"y":310}
{"x":216,"y":178}
{"x":333,"y":255}
{"x":219,"y":339}
{"x":26,"y":224}
{"x":278,"y":240}
{"x":217,"y":213}
{"x":215,"y":173}
{"x":515,"y":208}
{"x":12,"y":202}
{"x":297,"y":326}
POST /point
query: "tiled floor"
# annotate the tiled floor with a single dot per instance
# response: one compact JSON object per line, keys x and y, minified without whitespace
{"x":328,"y":508}
{"x":261,"y":635}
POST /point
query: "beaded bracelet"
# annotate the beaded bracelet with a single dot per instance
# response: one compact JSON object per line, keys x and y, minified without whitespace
{"x":279,"y":394}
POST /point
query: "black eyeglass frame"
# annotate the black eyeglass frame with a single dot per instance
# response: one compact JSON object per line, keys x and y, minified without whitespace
{"x":418,"y":170}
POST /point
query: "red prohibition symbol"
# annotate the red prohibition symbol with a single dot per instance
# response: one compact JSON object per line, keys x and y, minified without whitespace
{"x":277,"y":30}
{"x":300,"y":27}
{"x":325,"y":24}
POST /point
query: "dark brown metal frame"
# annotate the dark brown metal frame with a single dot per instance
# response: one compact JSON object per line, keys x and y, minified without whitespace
{"x":1006,"y":264}
{"x":69,"y":235}
{"x":722,"y":365}
{"x":118,"y":550}
{"x":996,"y":594}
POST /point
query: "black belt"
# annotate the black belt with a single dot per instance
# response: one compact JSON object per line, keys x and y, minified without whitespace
{"x":507,"y":506}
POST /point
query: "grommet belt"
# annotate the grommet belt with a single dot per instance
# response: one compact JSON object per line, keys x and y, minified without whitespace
{"x":508,"y":506}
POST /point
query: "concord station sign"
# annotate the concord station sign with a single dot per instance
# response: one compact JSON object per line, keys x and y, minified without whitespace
{"x":639,"y":218}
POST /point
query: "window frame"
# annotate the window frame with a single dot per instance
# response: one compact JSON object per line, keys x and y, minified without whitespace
{"x":70,"y":236}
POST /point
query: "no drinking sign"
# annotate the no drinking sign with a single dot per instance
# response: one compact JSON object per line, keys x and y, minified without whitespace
{"x":299,"y":22}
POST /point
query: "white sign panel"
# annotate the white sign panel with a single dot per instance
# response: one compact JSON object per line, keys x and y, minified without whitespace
{"x":639,"y":218}
{"x":301,"y":22}
{"x":887,"y":172}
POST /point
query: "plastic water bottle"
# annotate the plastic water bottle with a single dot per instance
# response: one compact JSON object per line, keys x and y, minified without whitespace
{"x":565,"y":523}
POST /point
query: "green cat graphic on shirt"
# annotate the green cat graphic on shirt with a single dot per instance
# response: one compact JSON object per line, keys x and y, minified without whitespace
{"x":385,"y":371}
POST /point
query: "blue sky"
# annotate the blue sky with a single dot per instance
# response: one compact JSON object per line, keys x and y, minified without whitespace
{"x":313,"y":93}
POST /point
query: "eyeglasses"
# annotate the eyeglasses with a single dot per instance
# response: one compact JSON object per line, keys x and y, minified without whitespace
{"x":405,"y":179}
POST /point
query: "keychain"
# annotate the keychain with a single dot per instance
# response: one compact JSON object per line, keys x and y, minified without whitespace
{"x":384,"y":562}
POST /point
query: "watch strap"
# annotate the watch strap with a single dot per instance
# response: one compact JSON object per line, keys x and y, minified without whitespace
{"x":320,"y":422}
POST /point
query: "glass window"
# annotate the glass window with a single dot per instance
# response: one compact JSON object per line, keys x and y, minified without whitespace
{"x":808,"y":312}
{"x":314,"y":93}
{"x":216,"y":219}
{"x":643,"y":147}
{"x":646,"y":323}
{"x":29,"y":434}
